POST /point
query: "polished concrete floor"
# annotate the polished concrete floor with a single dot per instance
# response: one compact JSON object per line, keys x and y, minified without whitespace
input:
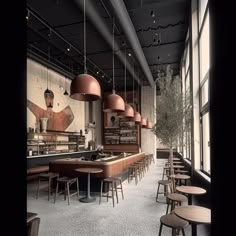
{"x":137,"y":215}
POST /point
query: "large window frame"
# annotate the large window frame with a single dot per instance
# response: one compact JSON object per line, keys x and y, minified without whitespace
{"x":204,"y":67}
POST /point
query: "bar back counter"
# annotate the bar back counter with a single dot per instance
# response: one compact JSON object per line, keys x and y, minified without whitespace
{"x":111,"y":166}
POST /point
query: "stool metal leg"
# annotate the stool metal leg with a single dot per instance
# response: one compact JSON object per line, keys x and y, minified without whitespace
{"x":101,"y":192}
{"x":37,"y":196}
{"x":112,"y":194}
{"x":157,"y":192}
{"x":121,"y":189}
{"x":49,"y":188}
{"x":68,"y":192}
{"x":77,"y":183}
{"x":56,"y":192}
{"x":160,"y":230}
{"x":115,"y":185}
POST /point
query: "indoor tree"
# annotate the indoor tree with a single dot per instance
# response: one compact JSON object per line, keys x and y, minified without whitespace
{"x":173,"y":112}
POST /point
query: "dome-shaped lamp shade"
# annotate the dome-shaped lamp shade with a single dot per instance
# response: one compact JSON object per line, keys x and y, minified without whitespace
{"x":143,"y":122}
{"x":129,"y":112}
{"x":114,"y":103}
{"x":85,"y":88}
{"x":137,"y":117}
{"x":149,"y":124}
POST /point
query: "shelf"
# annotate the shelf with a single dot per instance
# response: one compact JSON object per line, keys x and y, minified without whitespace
{"x":54,"y":142}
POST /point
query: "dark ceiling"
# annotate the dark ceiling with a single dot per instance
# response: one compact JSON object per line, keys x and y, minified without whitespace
{"x":153,"y":31}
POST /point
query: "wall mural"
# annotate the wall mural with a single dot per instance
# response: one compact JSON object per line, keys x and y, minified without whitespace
{"x":58,"y":121}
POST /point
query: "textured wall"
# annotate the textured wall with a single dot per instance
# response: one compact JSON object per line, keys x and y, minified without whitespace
{"x":148,"y":105}
{"x":36,"y":85}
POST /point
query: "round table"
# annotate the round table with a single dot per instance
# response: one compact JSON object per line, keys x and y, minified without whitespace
{"x":181,"y":177}
{"x":88,"y":197}
{"x":195,"y":215}
{"x":190,"y":190}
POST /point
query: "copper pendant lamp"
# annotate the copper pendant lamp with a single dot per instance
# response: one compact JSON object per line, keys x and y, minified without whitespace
{"x":137,"y":117}
{"x":129,"y":111}
{"x":85,"y":87}
{"x":113,"y":102}
{"x":143,"y":122}
{"x":149,"y":124}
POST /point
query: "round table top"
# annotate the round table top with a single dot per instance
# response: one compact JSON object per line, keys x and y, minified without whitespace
{"x":194,"y":214}
{"x":89,"y":170}
{"x":178,"y":166}
{"x":179,"y":176}
{"x":190,"y":190}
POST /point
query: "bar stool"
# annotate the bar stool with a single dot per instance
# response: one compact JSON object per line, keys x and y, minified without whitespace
{"x":133,"y":172}
{"x":119,"y":185}
{"x":67,"y":181}
{"x":174,"y":222}
{"x":46,"y":177}
{"x":111,"y":186}
{"x":166,"y":184}
{"x":175,"y":199}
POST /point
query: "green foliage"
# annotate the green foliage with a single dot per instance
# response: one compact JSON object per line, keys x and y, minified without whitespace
{"x":173,"y":110}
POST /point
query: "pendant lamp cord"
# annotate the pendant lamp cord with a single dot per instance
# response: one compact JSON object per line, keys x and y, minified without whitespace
{"x":113,"y":45}
{"x":133,"y":85}
{"x":49,"y":63}
{"x":85,"y":66}
{"x":125,"y":77}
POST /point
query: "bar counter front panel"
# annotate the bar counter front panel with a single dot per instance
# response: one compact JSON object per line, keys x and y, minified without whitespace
{"x":113,"y":166}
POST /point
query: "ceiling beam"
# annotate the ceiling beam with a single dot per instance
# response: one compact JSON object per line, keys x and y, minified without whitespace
{"x":130,"y":33}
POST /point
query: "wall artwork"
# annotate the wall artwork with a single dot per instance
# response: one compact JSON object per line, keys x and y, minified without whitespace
{"x":112,"y":120}
{"x":57,"y":121}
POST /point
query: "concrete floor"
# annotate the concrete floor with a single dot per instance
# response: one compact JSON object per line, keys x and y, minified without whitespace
{"x":137,"y":215}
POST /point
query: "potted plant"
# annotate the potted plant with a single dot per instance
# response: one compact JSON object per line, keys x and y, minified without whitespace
{"x":173,"y":111}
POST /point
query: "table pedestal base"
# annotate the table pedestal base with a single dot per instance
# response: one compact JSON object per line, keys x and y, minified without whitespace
{"x":87,"y":199}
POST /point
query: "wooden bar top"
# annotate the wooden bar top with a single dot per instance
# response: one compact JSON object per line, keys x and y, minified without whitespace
{"x":111,"y":167}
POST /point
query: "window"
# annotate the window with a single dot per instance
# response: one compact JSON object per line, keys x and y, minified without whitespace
{"x":204,"y":66}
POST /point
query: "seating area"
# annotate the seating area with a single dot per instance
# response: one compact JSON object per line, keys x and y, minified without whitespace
{"x":139,"y":201}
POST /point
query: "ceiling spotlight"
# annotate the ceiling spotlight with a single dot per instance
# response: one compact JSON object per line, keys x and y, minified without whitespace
{"x":152,"y":14}
{"x":129,"y":54}
{"x":97,"y":72}
{"x":102,"y":76}
{"x":50,"y":32}
{"x":154,"y":21}
{"x":69,"y":48}
{"x":28,"y":15}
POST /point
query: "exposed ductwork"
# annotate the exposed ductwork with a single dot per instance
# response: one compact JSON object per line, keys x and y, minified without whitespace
{"x":102,"y":28}
{"x":129,"y":30}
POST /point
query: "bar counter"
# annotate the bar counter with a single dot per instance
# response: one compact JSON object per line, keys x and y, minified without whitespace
{"x":111,"y":166}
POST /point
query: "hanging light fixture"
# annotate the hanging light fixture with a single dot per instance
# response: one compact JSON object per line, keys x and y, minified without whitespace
{"x":85,"y":87}
{"x":66,"y":93}
{"x":47,"y":91}
{"x":113,"y":102}
{"x":137,"y":116}
{"x":129,"y":111}
{"x":149,"y":124}
{"x":143,"y":122}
